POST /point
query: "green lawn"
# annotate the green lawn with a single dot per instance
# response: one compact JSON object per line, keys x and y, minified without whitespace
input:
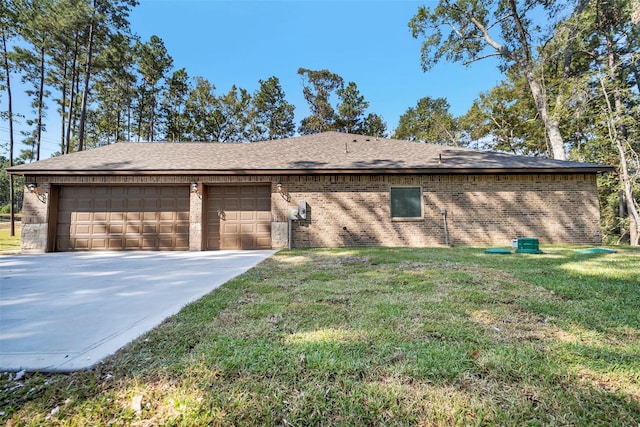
{"x":9,"y":243}
{"x":375,"y":337}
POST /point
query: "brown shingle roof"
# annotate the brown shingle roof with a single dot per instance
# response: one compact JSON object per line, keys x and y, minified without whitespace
{"x":329,"y":152}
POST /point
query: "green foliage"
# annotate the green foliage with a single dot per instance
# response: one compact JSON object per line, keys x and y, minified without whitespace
{"x":153,"y":61}
{"x":351,"y":109}
{"x":348,"y":114}
{"x":273,"y":116}
{"x":374,"y":125}
{"x":317,"y":89}
{"x":506,"y":120}
{"x":430,"y":121}
{"x":18,"y":185}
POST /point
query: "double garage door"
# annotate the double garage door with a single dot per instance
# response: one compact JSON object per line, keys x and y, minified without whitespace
{"x":123,"y":218}
{"x":157,"y":218}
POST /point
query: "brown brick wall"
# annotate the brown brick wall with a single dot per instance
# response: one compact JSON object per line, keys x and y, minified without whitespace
{"x":481,"y":210}
{"x":354,"y":210}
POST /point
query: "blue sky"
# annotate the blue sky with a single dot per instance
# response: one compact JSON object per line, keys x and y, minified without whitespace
{"x":365,"y":41}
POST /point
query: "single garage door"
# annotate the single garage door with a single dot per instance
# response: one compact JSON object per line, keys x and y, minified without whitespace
{"x":239,"y":217}
{"x":123,"y":218}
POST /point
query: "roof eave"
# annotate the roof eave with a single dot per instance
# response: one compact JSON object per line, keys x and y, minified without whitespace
{"x":370,"y":171}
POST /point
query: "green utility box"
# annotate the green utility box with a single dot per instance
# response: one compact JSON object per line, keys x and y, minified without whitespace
{"x":528,"y":245}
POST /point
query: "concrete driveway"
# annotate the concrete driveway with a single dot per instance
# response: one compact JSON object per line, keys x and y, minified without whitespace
{"x":68,"y":311}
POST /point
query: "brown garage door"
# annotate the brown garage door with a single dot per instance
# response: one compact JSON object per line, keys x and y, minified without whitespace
{"x":239,"y":217}
{"x":123,"y":218}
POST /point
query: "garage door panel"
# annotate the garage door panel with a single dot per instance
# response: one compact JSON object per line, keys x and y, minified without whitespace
{"x":132,"y":243}
{"x":99,"y":229}
{"x":231,"y":204}
{"x":85,"y":205}
{"x":150,"y":243}
{"x":150,"y":229}
{"x":263,"y":229}
{"x":181,"y":230}
{"x":167,"y":216}
{"x":247,"y":228}
{"x":122,"y":218}
{"x":134,"y":204}
{"x":133,"y":216}
{"x":116,"y":216}
{"x":166,"y":228}
{"x":249,"y":216}
{"x":82,"y":216}
{"x":247,"y":205}
{"x":101,"y":205}
{"x":84,"y":192}
{"x":97,"y":243}
{"x":150,"y":216}
{"x":115,"y":244}
{"x":150,"y":205}
{"x":231,"y":228}
{"x":263,"y":217}
{"x":81,"y":243}
{"x":132,"y":228}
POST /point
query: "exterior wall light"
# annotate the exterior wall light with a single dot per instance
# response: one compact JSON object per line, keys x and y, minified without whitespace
{"x":34,"y":189}
{"x":196,"y":188}
{"x":283,"y":191}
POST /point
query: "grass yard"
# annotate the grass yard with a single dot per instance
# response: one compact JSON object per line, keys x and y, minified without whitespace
{"x":382,"y":337}
{"x":9,"y":243}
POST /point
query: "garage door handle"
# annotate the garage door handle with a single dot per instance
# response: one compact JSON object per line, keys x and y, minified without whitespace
{"x":221,"y":214}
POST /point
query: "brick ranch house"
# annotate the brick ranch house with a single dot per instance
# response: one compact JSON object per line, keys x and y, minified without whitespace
{"x":357,"y":191}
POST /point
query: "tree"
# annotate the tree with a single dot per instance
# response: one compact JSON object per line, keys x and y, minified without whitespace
{"x":153,"y":64}
{"x":7,"y":16}
{"x":470,"y":30}
{"x":351,"y":109}
{"x":272,"y":115}
{"x":105,"y":17}
{"x":113,"y":92}
{"x":5,"y":187}
{"x":429,"y":122}
{"x":34,"y":26}
{"x":173,"y":106}
{"x":317,"y":88}
{"x":374,"y":125}
{"x":234,"y":116}
{"x":620,"y":45}
{"x":202,"y":112}
{"x":504,"y":119}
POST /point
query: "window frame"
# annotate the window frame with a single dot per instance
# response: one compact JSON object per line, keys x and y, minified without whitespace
{"x":406,"y":218}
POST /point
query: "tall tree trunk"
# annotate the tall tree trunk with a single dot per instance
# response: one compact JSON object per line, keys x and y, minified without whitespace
{"x":40,"y":105}
{"x":551,"y":125}
{"x":620,"y":137}
{"x":538,"y":91}
{"x":72,"y":95}
{"x":12,"y":213}
{"x":87,"y":77}
{"x":63,"y":117}
{"x":617,"y":134}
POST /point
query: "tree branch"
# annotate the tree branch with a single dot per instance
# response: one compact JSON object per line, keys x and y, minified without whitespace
{"x":471,"y":61}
